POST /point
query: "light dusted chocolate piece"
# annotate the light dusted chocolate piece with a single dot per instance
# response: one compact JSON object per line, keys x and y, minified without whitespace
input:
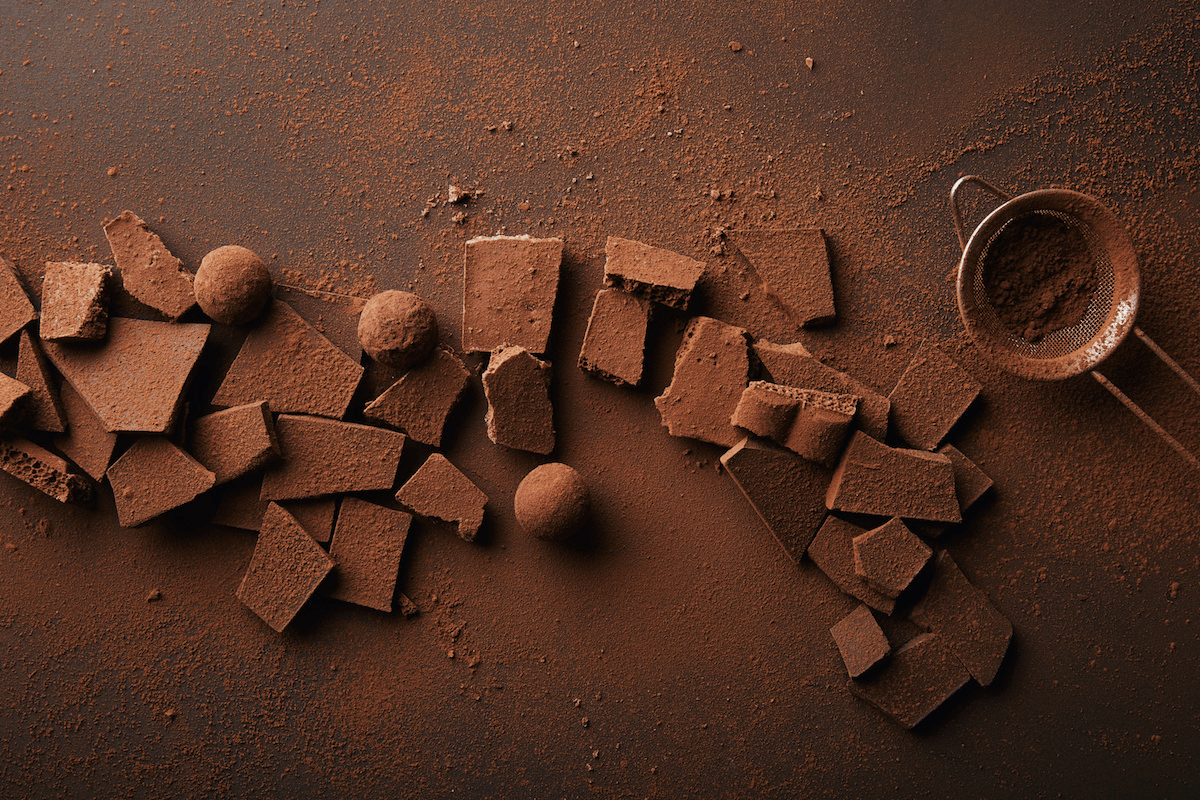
{"x":860,"y":640}
{"x":286,"y":362}
{"x":324,"y":456}
{"x":43,"y":408}
{"x":147,"y":269}
{"x":440,"y":490}
{"x":970,"y":482}
{"x":614,"y":347}
{"x":712,"y":368}
{"x":420,"y":402}
{"x":932,"y":394}
{"x":873,"y":478}
{"x":14,"y":397}
{"x":811,"y":423}
{"x":153,"y":477}
{"x":832,"y":550}
{"x":285,"y":570}
{"x":234,"y":442}
{"x":509,"y":287}
{"x":155,"y":357}
{"x":367,"y":546}
{"x":919,"y":677}
{"x":794,"y":266}
{"x":74,"y":301}
{"x":520,"y":414}
{"x":44,"y":471}
{"x":659,"y":275}
{"x":890,"y":557}
{"x":16,"y":309}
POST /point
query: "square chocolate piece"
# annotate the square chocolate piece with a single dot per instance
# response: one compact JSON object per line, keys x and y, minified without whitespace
{"x":509,"y":287}
{"x":794,"y":265}
{"x":614,"y":347}
{"x":287,"y":567}
{"x":367,"y":546}
{"x":930,"y":397}
{"x":860,"y":640}
{"x":832,"y":550}
{"x":74,"y":301}
{"x":712,"y":369}
{"x":918,"y":678}
{"x":890,"y":557}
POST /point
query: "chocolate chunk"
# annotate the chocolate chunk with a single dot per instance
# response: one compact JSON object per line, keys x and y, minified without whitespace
{"x":767,"y":410}
{"x":860,"y":640}
{"x":152,"y":477}
{"x":14,"y":399}
{"x":930,"y":397}
{"x":74,"y":301}
{"x":712,"y":367}
{"x":519,"y":414}
{"x":440,"y":490}
{"x":784,"y":490}
{"x":890,"y":557}
{"x":407,"y":607}
{"x":286,"y":362}
{"x":509,"y":287}
{"x":810,"y":423}
{"x":367,"y":546}
{"x":794,"y":265}
{"x":155,"y":357}
{"x":614,"y":347}
{"x":420,"y":402}
{"x":43,"y":408}
{"x":44,"y":471}
{"x":832,"y":550}
{"x":87,"y":443}
{"x":148,"y":270}
{"x":651,"y":272}
{"x":235,"y":441}
{"x":334,"y":316}
{"x":919,"y":677}
{"x":970,"y":482}
{"x":965,"y":619}
{"x":16,"y":310}
{"x":323,"y":456}
{"x":873,"y":478}
{"x":285,"y":570}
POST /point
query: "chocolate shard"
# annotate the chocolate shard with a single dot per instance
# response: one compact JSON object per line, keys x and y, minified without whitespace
{"x":890,"y":557}
{"x":614,"y":347}
{"x":334,"y":316}
{"x":407,"y":607}
{"x":441,"y":491}
{"x":156,"y":357}
{"x":153,"y":477}
{"x":782,"y":488}
{"x":286,"y":362}
{"x":148,"y":270}
{"x":520,"y":414}
{"x":239,"y":505}
{"x":920,"y":676}
{"x":16,"y":309}
{"x":44,"y":471}
{"x":420,"y":402}
{"x":234,"y":442}
{"x":860,"y":640}
{"x":324,"y":456}
{"x":14,"y":400}
{"x":285,"y":570}
{"x":832,"y":550}
{"x":970,"y":484}
{"x":367,"y":546}
{"x":509,"y":287}
{"x":873,"y":478}
{"x":965,"y":619}
{"x":932,"y":394}
{"x":74,"y":302}
{"x":87,"y":442}
{"x":794,"y":266}
{"x":43,"y":408}
{"x":712,"y":368}
{"x":654,"y":273}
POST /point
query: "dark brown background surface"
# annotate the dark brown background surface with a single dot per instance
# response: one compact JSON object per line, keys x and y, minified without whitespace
{"x":673,"y":649}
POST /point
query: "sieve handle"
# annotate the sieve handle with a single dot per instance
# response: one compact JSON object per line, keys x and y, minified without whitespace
{"x":956,"y":212}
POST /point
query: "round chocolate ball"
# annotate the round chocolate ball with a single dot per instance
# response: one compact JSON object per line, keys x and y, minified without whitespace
{"x":232,"y":285}
{"x":552,"y":502}
{"x":398,"y":329}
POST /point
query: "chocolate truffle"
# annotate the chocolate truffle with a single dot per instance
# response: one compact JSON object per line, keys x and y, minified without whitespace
{"x":232,"y":285}
{"x":552,"y":502}
{"x":397,"y":328}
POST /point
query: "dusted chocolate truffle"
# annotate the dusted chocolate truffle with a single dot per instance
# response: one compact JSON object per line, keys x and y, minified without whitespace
{"x":397,"y":328}
{"x":552,"y":502}
{"x":232,"y":285}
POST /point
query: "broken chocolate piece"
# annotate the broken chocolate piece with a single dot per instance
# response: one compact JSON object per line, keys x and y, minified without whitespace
{"x":407,"y":607}
{"x":784,"y":490}
{"x":16,"y":310}
{"x":970,"y":482}
{"x":614,"y":347}
{"x":43,"y":470}
{"x":810,"y":423}
{"x":74,"y":301}
{"x":324,"y":456}
{"x":651,"y":272}
{"x":87,"y":443}
{"x":367,"y":546}
{"x":712,"y":368}
{"x":520,"y":414}
{"x":794,"y":265}
{"x":860,"y":640}
{"x":148,"y":271}
{"x":767,"y":410}
{"x":873,"y":478}
{"x":316,"y":515}
{"x":240,"y":505}
{"x":43,"y":409}
{"x":440,"y":490}
{"x":285,"y":570}
{"x":286,"y":362}
{"x":334,"y":316}
{"x":920,"y":676}
{"x":832,"y":550}
{"x":235,"y":441}
{"x":421,"y":400}
{"x":153,"y":477}
{"x":155,"y":357}
{"x":930,"y":397}
{"x":965,"y":619}
{"x":14,"y":398}
{"x":890,"y":557}
{"x":509,"y":287}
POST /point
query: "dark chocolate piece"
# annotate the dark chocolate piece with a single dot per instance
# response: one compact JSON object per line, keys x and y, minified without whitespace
{"x":873,"y":478}
{"x":420,"y":402}
{"x":918,"y":678}
{"x":794,"y":265}
{"x":44,"y":471}
{"x":16,"y":309}
{"x":234,"y":442}
{"x":712,"y":368}
{"x":932,"y":394}
{"x":153,"y":477}
{"x":520,"y":414}
{"x":832,"y":550}
{"x":285,"y":570}
{"x":860,"y":640}
{"x":148,"y":270}
{"x":87,"y":443}
{"x":14,"y":400}
{"x":651,"y":272}
{"x":890,"y":557}
{"x":367,"y":546}
{"x":324,"y":456}
{"x":43,"y":408}
{"x":440,"y":490}
{"x":614,"y":347}
{"x":74,"y":301}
